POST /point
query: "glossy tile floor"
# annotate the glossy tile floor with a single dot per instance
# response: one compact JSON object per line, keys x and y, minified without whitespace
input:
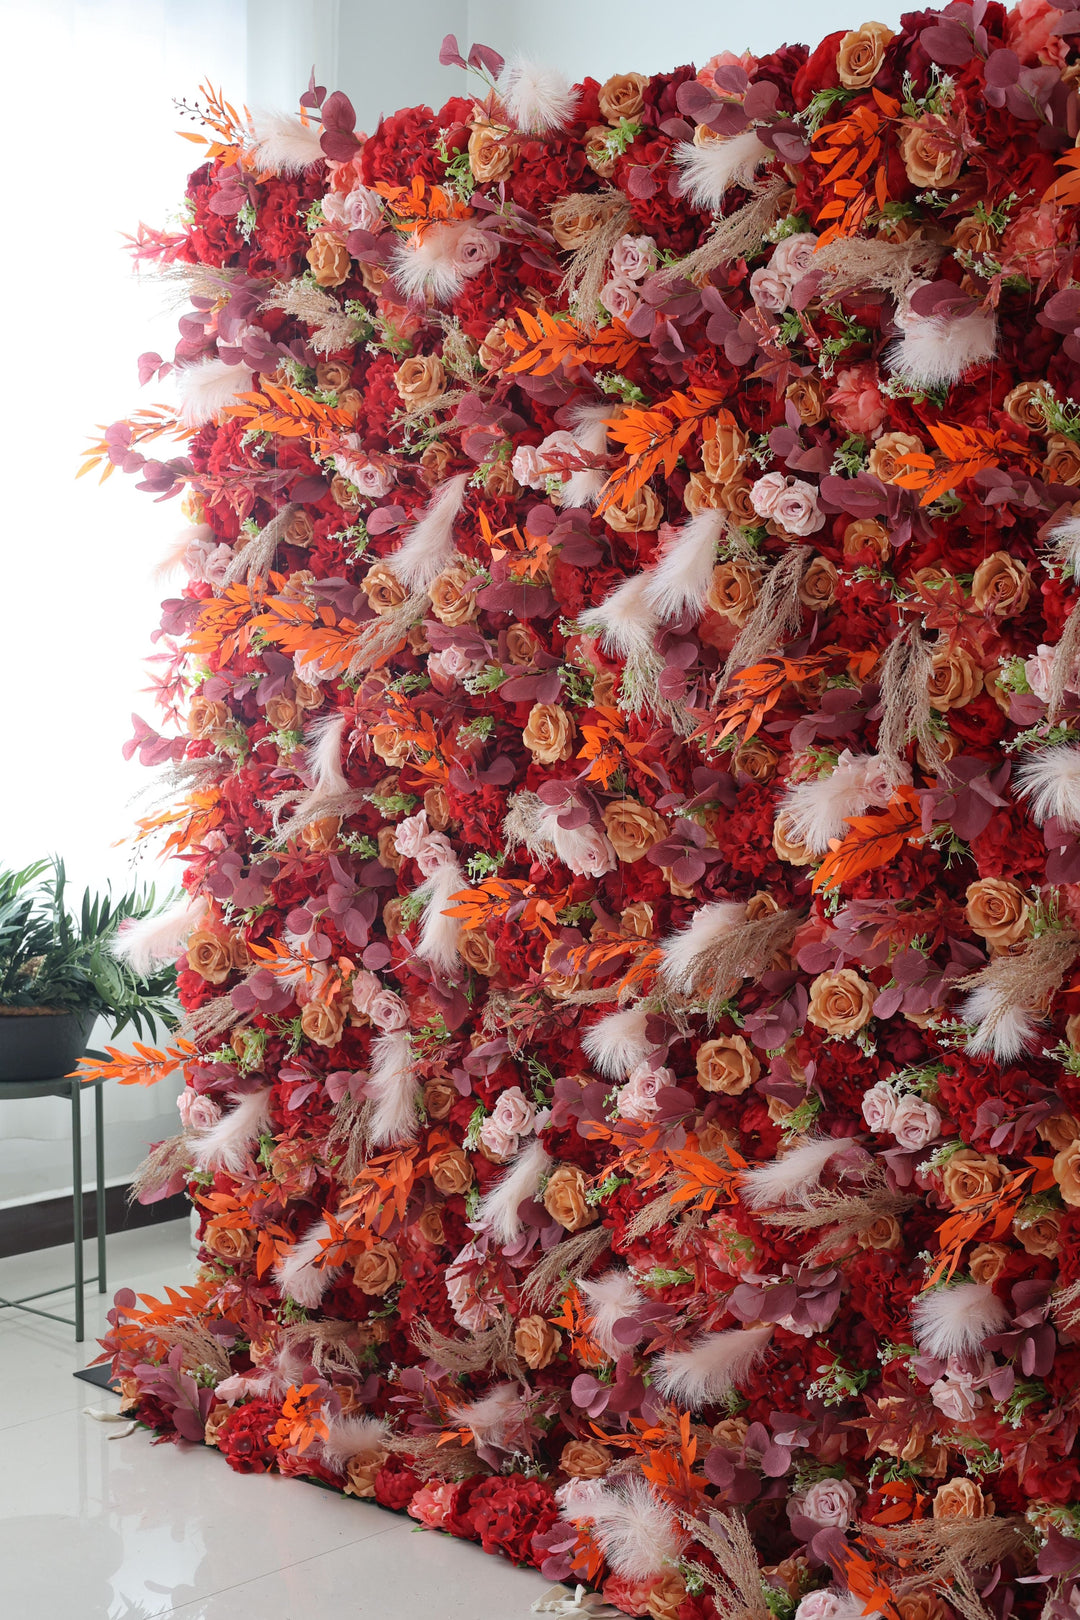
{"x":95,"y":1527}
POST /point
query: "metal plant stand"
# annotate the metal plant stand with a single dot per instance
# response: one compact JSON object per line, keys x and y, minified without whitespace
{"x":71,"y":1087}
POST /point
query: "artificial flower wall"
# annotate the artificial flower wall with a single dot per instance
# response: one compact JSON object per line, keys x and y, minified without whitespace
{"x":622,"y":721}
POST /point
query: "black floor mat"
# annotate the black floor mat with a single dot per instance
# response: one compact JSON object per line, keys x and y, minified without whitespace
{"x":100,"y":1376}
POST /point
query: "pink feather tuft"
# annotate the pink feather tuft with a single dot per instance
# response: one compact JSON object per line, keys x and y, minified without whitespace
{"x":616,"y":1044}
{"x":285,"y":145}
{"x":955,"y":1321}
{"x":793,"y":1176}
{"x":207,"y":386}
{"x":678,"y":584}
{"x":350,"y":1437}
{"x":624,"y":623}
{"x":298,"y":1274}
{"x":497,"y":1419}
{"x":427,"y":266}
{"x":710,"y":171}
{"x":711,"y":1368}
{"x":428,"y":547}
{"x":146,"y":942}
{"x":1000,"y":1030}
{"x":682,"y":951}
{"x":440,"y":932}
{"x":229,"y":1144}
{"x":1050,"y":779}
{"x":498,"y":1213}
{"x":637,"y":1532}
{"x":817,"y":812}
{"x":393,"y":1092}
{"x":935,"y":352}
{"x":609,"y":1299}
{"x":590,"y":432}
{"x":536,"y":99}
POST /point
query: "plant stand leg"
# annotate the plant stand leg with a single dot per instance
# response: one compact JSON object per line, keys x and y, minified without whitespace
{"x":77,"y":1205}
{"x":99,"y":1143}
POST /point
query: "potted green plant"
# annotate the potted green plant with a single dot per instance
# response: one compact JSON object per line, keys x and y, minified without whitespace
{"x":58,"y":973}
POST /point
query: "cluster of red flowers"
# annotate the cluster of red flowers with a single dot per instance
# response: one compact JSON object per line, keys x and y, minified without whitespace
{"x":632,"y":818}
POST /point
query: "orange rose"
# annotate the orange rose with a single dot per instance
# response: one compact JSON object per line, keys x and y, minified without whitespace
{"x":931,"y":152}
{"x":600,"y":157}
{"x":585,"y":1459}
{"x":666,"y":1596}
{"x":548,"y":734}
{"x":322,"y":836}
{"x":736,"y":499}
{"x":1000,"y":586}
{"x":866,"y":533}
{"x":622,"y":96}
{"x":209,"y":956}
{"x":1067,"y":1174}
{"x":722,"y":455}
{"x":861,"y":53}
{"x":807,"y":394}
{"x":420,"y":379}
{"x":435,"y":463}
{"x":232,"y":1244}
{"x":924,"y":1605}
{"x":727,"y":1065}
{"x":450,"y":1170}
{"x":702,"y":495}
{"x":383,"y":589}
{"x":1060,"y":1129}
{"x":733,"y":592}
{"x":430,"y":1225}
{"x":998,"y":911}
{"x":329,"y":259}
{"x":536,"y":1341}
{"x":437,"y":808}
{"x":789,"y":848}
{"x":378,"y":1269}
{"x":955,"y":679}
{"x":756,"y":760}
{"x":987,"y":1261}
{"x":962,"y":1499}
{"x":818,"y":588}
{"x":521,"y":644}
{"x":633,"y":828}
{"x":1061,"y":464}
{"x":452,"y":602}
{"x":205,"y":716}
{"x":491,"y":153}
{"x":882,"y":1233}
{"x":642,"y":514}
{"x":841,"y":1002}
{"x":477,"y":952}
{"x":564,"y":1198}
{"x":1038,"y":1234}
{"x":322,"y":1022}
{"x":1025,"y":405}
{"x":884,"y":461}
{"x":281,"y":713}
{"x":439,"y":1097}
{"x":333,"y":376}
{"x":500,"y":483}
{"x":967,"y":1175}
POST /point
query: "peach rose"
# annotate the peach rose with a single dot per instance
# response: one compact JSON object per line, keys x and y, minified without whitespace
{"x":737,"y":498}
{"x":962,"y":1499}
{"x":450,"y":1170}
{"x":722,"y":455}
{"x":987,"y":1261}
{"x":727,"y":1065}
{"x":299,"y":529}
{"x":308,"y":696}
{"x":1000,"y":586}
{"x":360,"y":1475}
{"x":807,"y":394}
{"x":377,"y":1270}
{"x":1038,"y":1235}
{"x":209,"y":956}
{"x":452,"y":602}
{"x":536,"y":1341}
{"x":598,"y":155}
{"x":585,"y":1459}
{"x":477,"y":952}
{"x":521,"y":644}
{"x":666,"y":1596}
{"x":787,"y":847}
{"x":435,"y":463}
{"x":756,"y":760}
{"x":439,"y":1097}
{"x":322,"y":836}
{"x":968,"y":1175}
{"x":633,"y":828}
{"x":437,"y":808}
{"x":866,"y":534}
{"x":564,"y":1198}
{"x":420,"y":379}
{"x":500,"y":483}
{"x":622,"y":96}
{"x":383,"y":589}
{"x":818,"y":588}
{"x":322,"y":1022}
{"x":841,"y":1002}
{"x":641,"y":515}
{"x":733,"y":592}
{"x":885,"y":457}
{"x":1025,"y":405}
{"x":1067,"y":1173}
{"x":281,"y":713}
{"x":495,"y":354}
{"x":548,"y":733}
{"x":997,"y":910}
{"x":702,"y":495}
{"x":1061,"y":464}
{"x":931,"y":152}
{"x":955,"y":679}
{"x":861,"y":53}
{"x":882,"y":1233}
{"x":1060,"y":1129}
{"x":430,"y":1225}
{"x":215,"y":1422}
{"x":205,"y":716}
{"x":229,"y":1243}
{"x":975,"y":236}
{"x":491,"y":153}
{"x":329,"y":259}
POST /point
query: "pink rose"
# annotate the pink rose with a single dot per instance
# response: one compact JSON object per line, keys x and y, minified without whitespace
{"x":915,"y":1122}
{"x":855,"y":400}
{"x":824,"y":1604}
{"x":197,"y":1113}
{"x":793,"y":258}
{"x":448,"y":668}
{"x":366,"y":986}
{"x":955,"y":1400}
{"x":388,"y":1012}
{"x":499,"y":1141}
{"x":879,"y":1107}
{"x":474,"y":249}
{"x":371,"y":480}
{"x":619,"y":297}
{"x":726,"y":59}
{"x":876,"y":784}
{"x":526,"y":467}
{"x":590,"y":854}
{"x":638,"y":1098}
{"x":769,"y":290}
{"x":830,"y":1503}
{"x":357,"y":210}
{"x":514,"y":1112}
{"x":577,"y":1495}
{"x":470,"y":1311}
{"x":790,"y":502}
{"x":1029,"y":243}
{"x":432,"y":1503}
{"x":410,"y":835}
{"x":435,"y":851}
{"x":633,"y":257}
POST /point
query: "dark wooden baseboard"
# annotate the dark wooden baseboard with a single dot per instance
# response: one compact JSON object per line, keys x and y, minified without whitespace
{"x":42,"y":1225}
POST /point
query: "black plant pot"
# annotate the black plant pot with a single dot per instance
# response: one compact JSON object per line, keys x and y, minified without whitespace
{"x":42,"y":1046}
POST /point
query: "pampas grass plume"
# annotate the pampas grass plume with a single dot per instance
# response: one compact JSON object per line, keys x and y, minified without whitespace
{"x":1000,"y":1031}
{"x":228,"y":1144}
{"x":298,"y":1275}
{"x":710,"y":171}
{"x":146,"y":942}
{"x":682,"y":951}
{"x":615,"y":1045}
{"x":439,"y":933}
{"x":679,"y":582}
{"x":711,"y":1368}
{"x":428,"y":547}
{"x":500,"y":1204}
{"x":955,"y":1321}
{"x":794,"y":1175}
{"x":392,"y":1091}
